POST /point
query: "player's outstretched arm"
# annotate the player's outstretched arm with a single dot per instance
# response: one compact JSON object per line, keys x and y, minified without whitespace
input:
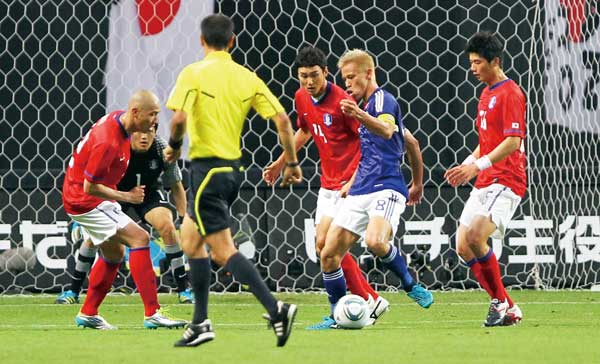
{"x":135,"y":195}
{"x":178,"y":125}
{"x":292,"y":174}
{"x":415,"y":160}
{"x":272,"y":171}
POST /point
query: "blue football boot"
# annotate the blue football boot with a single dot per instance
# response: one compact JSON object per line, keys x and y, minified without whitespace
{"x":421,"y":295}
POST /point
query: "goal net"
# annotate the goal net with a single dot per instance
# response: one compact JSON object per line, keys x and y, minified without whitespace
{"x":64,"y":65}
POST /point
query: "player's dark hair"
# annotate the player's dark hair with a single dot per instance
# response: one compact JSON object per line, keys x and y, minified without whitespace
{"x":217,"y":29}
{"x":310,"y":56}
{"x":487,"y":44}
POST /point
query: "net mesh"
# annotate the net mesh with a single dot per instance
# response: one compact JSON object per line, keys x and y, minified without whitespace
{"x":54,"y":85}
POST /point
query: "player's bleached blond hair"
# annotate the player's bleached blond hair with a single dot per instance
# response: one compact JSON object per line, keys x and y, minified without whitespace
{"x":363,"y":60}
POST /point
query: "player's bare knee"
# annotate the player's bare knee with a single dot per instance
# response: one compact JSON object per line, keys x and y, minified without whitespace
{"x":320,"y":243}
{"x":165,"y":227}
{"x":474,"y":238}
{"x":139,"y":238}
{"x":113,"y":252}
{"x":329,"y":261}
{"x":463,"y":250}
{"x":168,"y":233}
{"x":377,"y":245}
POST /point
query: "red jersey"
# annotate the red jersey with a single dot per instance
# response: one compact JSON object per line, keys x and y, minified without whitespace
{"x":500,"y":114}
{"x":101,"y":157}
{"x":335,"y":134}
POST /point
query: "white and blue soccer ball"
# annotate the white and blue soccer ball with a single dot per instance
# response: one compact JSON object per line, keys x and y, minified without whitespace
{"x":351,"y":312}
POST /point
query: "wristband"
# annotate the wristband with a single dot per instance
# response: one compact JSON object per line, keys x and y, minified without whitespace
{"x":483,"y":163}
{"x":175,"y":144}
{"x":292,"y":164}
{"x":469,"y":160}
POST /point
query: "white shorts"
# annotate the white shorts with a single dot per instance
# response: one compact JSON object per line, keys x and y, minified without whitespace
{"x":356,"y":211}
{"x":328,"y":204}
{"x":496,"y":201}
{"x":102,"y":223}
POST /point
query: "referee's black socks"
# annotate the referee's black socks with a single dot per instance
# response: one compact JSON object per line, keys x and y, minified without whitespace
{"x":244,"y":272}
{"x":200,"y":271}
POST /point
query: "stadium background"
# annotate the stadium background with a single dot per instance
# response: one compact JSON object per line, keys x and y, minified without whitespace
{"x":52,"y":89}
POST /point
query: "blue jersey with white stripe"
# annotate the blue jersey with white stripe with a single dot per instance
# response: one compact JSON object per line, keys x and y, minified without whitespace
{"x":379,"y":166}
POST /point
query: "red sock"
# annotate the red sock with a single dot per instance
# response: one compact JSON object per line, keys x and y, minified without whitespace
{"x":355,"y":280}
{"x":366,"y":286}
{"x":101,"y":278}
{"x":144,"y":278}
{"x":476,"y":269}
{"x":490,"y":270}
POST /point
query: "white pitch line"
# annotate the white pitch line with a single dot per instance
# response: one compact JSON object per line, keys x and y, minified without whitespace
{"x":129,"y":327}
{"x":311,"y":304}
{"x":258,"y":325}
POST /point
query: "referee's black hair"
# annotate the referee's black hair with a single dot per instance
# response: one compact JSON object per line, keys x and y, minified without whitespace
{"x":217,"y":29}
{"x":487,"y":44}
{"x":310,"y":56}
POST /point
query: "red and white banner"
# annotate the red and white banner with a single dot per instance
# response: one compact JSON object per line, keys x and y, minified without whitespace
{"x":572,"y":57}
{"x":149,"y":42}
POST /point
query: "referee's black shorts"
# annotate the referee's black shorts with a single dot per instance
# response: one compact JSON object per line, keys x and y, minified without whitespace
{"x":214,"y":186}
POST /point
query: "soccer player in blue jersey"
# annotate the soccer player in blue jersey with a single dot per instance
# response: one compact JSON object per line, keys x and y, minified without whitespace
{"x":379,"y":194}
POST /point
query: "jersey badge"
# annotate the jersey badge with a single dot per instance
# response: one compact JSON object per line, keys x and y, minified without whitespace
{"x":492,"y":103}
{"x":153,"y":164}
{"x":327,"y":119}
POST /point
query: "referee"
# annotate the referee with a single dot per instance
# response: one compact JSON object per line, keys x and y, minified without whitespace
{"x":212,"y":98}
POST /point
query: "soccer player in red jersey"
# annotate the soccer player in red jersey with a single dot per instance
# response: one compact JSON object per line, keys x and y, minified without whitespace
{"x":89,"y":193}
{"x":336,"y":137}
{"x":500,"y":166}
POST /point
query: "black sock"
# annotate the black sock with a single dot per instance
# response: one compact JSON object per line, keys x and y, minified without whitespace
{"x":246,"y":273}
{"x":200,"y":278}
{"x":175,"y":260}
{"x":83,"y":264}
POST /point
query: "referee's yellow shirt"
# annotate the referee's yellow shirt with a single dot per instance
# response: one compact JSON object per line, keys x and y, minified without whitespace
{"x":217,"y":93}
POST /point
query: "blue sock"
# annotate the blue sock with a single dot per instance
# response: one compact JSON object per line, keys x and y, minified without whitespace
{"x":335,"y":284}
{"x":472,"y":262}
{"x":486,"y":257}
{"x":395,"y":262}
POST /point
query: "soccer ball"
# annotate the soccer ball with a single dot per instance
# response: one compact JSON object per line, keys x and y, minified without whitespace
{"x":17,"y":260}
{"x":351,"y":312}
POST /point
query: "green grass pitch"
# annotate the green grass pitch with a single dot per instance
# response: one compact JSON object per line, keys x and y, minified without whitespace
{"x":558,"y":327}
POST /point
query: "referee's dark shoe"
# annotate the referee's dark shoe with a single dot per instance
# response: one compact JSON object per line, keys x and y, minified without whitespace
{"x":196,"y":334}
{"x":283,"y":321}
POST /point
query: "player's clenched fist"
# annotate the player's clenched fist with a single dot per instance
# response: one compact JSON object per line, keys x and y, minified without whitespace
{"x":292,"y":175}
{"x":136,"y":195}
{"x":172,"y":155}
{"x":350,"y":108}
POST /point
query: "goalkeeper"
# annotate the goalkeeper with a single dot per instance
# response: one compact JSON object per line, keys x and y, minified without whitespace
{"x":145,"y":169}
